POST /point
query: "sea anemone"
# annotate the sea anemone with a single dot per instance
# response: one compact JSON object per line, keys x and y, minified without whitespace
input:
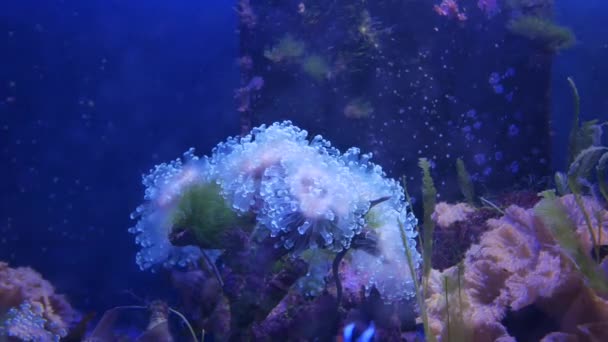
{"x":303,"y":193}
{"x":164,"y":185}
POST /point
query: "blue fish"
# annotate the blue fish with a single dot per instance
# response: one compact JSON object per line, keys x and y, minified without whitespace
{"x":366,"y":336}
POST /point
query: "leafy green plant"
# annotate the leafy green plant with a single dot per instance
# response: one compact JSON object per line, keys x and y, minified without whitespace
{"x":429,"y":194}
{"x":315,"y":66}
{"x":585,"y":155}
{"x":585,"y":135}
{"x":287,"y":49}
{"x":429,"y":200}
{"x":421,"y":290}
{"x":457,"y":329}
{"x":543,"y":32}
{"x":203,"y":212}
{"x":464,"y":182}
{"x":553,"y":214}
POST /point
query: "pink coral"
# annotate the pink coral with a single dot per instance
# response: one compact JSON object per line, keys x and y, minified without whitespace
{"x":446,"y":214}
{"x":518,"y":263}
{"x":450,"y":9}
{"x":24,"y":285}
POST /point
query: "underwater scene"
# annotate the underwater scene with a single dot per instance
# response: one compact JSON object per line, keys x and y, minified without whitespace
{"x":304,"y":170}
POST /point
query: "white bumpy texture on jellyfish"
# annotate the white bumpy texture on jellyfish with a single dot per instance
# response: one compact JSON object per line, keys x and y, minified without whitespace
{"x":304,"y":193}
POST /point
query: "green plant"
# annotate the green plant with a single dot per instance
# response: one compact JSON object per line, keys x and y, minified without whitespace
{"x":315,"y":66}
{"x":585,"y":135}
{"x":554,"y":216}
{"x":457,"y":329}
{"x":203,"y":212}
{"x":545,"y":33}
{"x":287,"y":48}
{"x":585,"y":154}
{"x":429,"y":194}
{"x":429,"y":199}
{"x":464,"y":182}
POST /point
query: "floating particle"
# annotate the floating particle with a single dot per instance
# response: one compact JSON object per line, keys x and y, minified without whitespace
{"x":494,"y":78}
{"x":480,"y":159}
{"x":514,"y":167}
{"x":513,"y":130}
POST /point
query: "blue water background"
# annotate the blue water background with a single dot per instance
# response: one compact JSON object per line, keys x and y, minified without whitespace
{"x":94,"y":93}
{"x":586,"y":64}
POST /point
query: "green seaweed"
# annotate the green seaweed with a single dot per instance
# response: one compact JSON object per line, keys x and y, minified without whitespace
{"x":464,"y":182}
{"x":429,"y":199}
{"x":582,"y":167}
{"x":545,"y":33}
{"x":203,"y":211}
{"x":579,"y":171}
{"x":457,"y":329}
{"x":553,"y":214}
{"x":602,"y":175}
{"x":548,"y":194}
{"x":582,"y":136}
{"x":561,"y":183}
{"x":420,"y":290}
{"x":315,"y":66}
{"x":287,"y":48}
{"x":372,"y":220}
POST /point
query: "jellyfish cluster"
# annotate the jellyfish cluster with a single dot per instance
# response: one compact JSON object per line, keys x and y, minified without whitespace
{"x":304,"y":194}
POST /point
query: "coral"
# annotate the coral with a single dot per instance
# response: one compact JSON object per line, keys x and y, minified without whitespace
{"x":518,"y":263}
{"x":451,"y":243}
{"x":246,"y":14}
{"x":32,"y":307}
{"x":27,"y":323}
{"x":450,"y":9}
{"x":446,"y":214}
{"x":244,"y":95}
{"x":523,"y":198}
{"x":304,"y":194}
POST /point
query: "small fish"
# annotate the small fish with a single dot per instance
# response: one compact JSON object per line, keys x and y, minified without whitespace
{"x":366,"y":336}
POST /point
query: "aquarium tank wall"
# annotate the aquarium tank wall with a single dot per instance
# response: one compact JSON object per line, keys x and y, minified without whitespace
{"x":261,"y":170}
